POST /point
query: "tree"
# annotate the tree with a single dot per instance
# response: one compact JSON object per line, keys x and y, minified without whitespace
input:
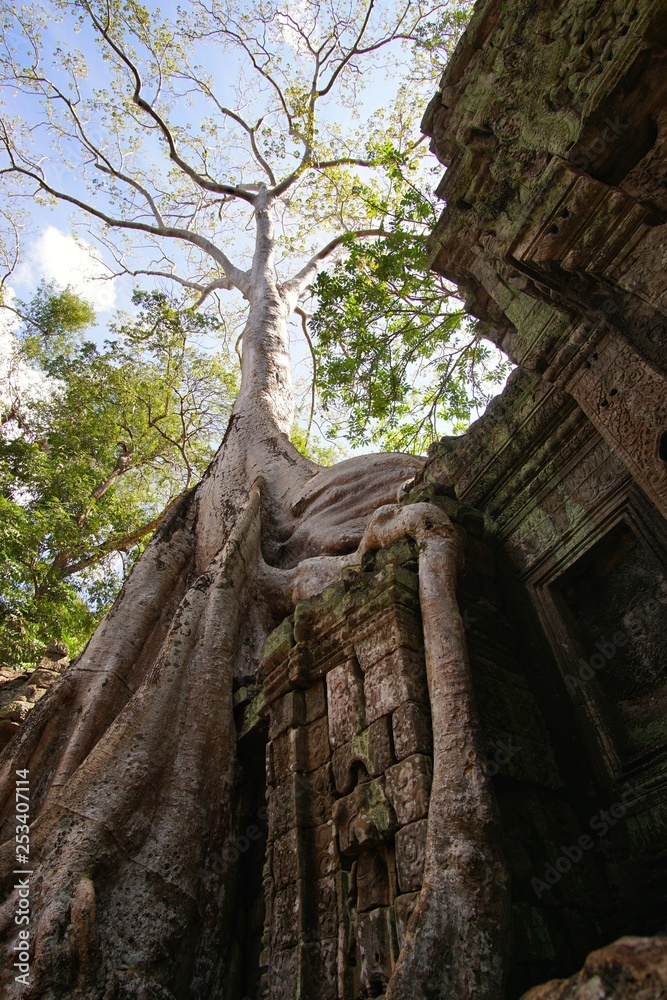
{"x":133,"y":813}
{"x":389,"y":346}
{"x":94,"y":462}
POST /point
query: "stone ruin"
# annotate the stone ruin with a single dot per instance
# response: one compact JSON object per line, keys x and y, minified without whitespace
{"x":552,"y":122}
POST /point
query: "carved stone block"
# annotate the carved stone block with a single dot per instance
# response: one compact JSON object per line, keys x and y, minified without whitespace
{"x":316,"y":703}
{"x":345,"y":698}
{"x":403,"y":907}
{"x":285,"y":712}
{"x":325,"y":916}
{"x":321,"y":961}
{"x":315,"y":796}
{"x":370,"y":748}
{"x":269,"y":764}
{"x":286,"y":858}
{"x":284,"y":974}
{"x":364,"y":817}
{"x":411,"y":725}
{"x":312,"y":745}
{"x":398,"y":677}
{"x":372,"y":881}
{"x":410,"y":845}
{"x":282,"y":808}
{"x":320,"y":851}
{"x":299,"y":664}
{"x":286,"y":917}
{"x":409,"y":787}
{"x":376,"y":939}
{"x":277,"y":646}
{"x":283,"y":753}
{"x":386,"y":633}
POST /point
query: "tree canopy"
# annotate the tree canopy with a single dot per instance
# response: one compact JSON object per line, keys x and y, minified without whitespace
{"x":189,"y":118}
{"x":252,"y":148}
{"x":89,"y":466}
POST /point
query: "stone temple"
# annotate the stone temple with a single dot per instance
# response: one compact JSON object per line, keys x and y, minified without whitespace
{"x":551,"y":121}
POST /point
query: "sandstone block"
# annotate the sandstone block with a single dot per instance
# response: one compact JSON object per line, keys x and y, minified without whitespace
{"x":345,"y":698}
{"x":372,"y":881}
{"x":409,"y":787}
{"x":365,"y":817}
{"x":376,"y":939}
{"x":411,"y":726}
{"x":410,"y":845}
{"x":370,"y":748}
{"x":397,"y":678}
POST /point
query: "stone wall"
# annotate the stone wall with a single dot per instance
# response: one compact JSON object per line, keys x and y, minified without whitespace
{"x":552,"y":122}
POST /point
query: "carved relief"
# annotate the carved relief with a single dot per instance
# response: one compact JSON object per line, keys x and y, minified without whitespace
{"x":627,"y":400}
{"x":349,"y":786}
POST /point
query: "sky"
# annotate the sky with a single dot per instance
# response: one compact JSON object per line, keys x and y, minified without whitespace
{"x":56,"y":246}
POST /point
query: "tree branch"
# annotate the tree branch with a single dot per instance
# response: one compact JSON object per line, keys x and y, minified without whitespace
{"x":235,"y":275}
{"x":296,"y":285}
{"x":122,"y":544}
{"x":140,"y":102}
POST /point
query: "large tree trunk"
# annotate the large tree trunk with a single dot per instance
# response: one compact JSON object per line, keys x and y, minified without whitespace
{"x":134,"y":778}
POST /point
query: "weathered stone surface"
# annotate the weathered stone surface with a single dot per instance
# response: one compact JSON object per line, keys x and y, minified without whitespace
{"x":345,"y":700}
{"x":312,"y":742}
{"x":410,"y":844}
{"x":629,"y":969}
{"x":411,"y":726}
{"x":397,"y":678}
{"x":284,"y":973}
{"x":409,"y":787}
{"x":287,"y":711}
{"x":397,"y":628}
{"x":282,"y":806}
{"x":376,"y":937}
{"x":278,"y":645}
{"x":286,"y":918}
{"x":321,"y":854}
{"x":316,"y":703}
{"x":315,"y":796}
{"x":326,"y":767}
{"x":372,"y":876}
{"x":365,"y":817}
{"x":370,"y":748}
{"x":286,"y":857}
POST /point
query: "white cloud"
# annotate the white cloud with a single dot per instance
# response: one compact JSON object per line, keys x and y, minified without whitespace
{"x":20,"y":385}
{"x":69,"y":261}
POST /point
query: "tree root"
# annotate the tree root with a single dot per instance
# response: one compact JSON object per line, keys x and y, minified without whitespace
{"x":141,"y":789}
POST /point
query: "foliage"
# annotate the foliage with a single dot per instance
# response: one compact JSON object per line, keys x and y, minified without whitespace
{"x":397,"y":359}
{"x":125,"y":428}
{"x":187,"y":121}
{"x":314,"y":448}
{"x":228,"y":146}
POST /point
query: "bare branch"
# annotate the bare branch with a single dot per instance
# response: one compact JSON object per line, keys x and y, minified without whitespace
{"x":137,"y":98}
{"x":250,"y":130}
{"x":112,"y":172}
{"x":352,"y":51}
{"x":121,"y":544}
{"x":235,"y":275}
{"x":204,"y":290}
